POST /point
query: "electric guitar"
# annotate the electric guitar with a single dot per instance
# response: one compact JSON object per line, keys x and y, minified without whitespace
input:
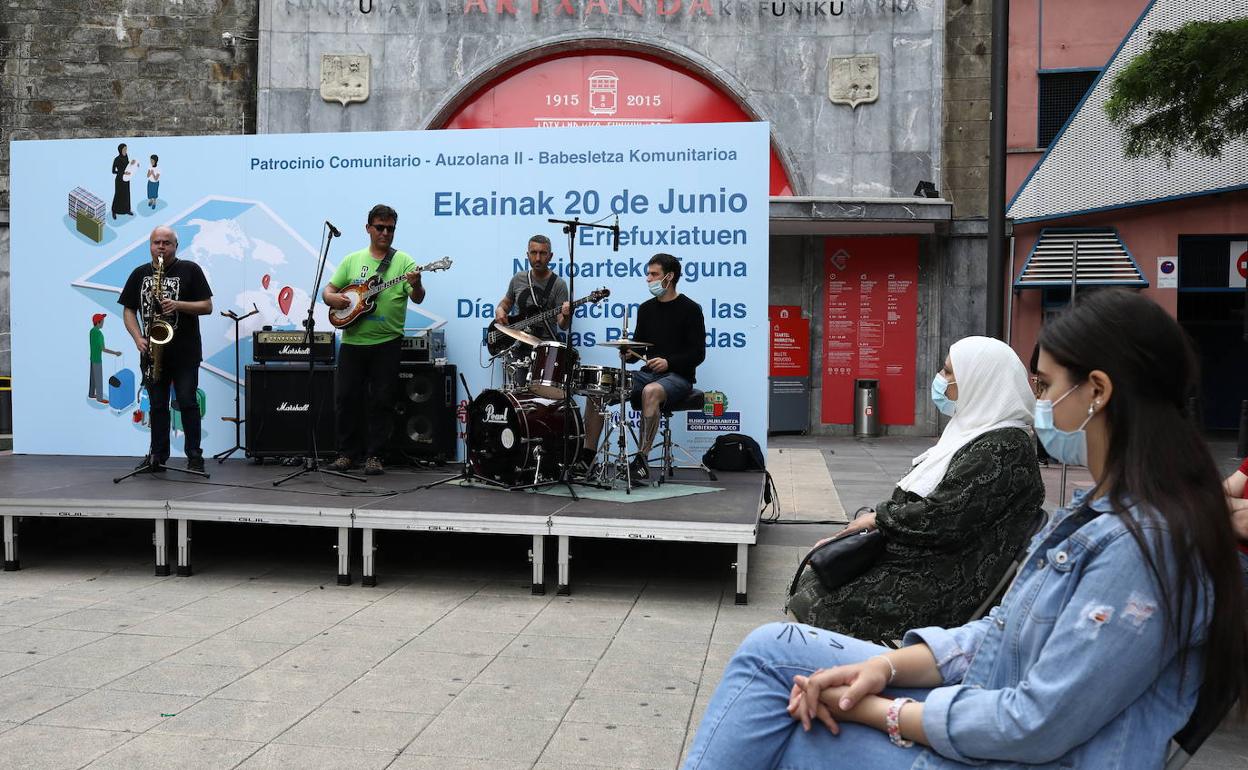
{"x":496,"y":342}
{"x":361,"y":295}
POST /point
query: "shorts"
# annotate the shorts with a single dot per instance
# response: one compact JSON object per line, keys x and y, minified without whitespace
{"x":676,"y":387}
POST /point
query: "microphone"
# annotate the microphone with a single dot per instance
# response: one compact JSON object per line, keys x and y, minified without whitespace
{"x":334,"y":231}
{"x":615,"y":244}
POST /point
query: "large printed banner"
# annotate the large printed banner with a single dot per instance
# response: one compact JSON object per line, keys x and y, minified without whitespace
{"x":870,"y":316}
{"x":250,"y":210}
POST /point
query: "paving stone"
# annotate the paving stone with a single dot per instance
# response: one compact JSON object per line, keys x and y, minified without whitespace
{"x":46,"y":641}
{"x":356,"y":729}
{"x":387,"y":692}
{"x":548,"y":702}
{"x":415,"y":762}
{"x":190,"y":626}
{"x":233,"y":719}
{"x":134,"y":647}
{"x":179,"y":679}
{"x":157,"y":752}
{"x":555,"y":648}
{"x":286,"y":686}
{"x":70,"y":671}
{"x":312,"y":656}
{"x":43,"y":747}
{"x":645,"y":677}
{"x":278,"y":756}
{"x":682,"y":653}
{"x":614,"y":745}
{"x":91,"y":619}
{"x":229,"y":652}
{"x":664,"y":710}
{"x":263,"y":629}
{"x":450,"y":635}
{"x":570,"y":674}
{"x":437,"y":666}
{"x":116,"y":710}
{"x":21,"y":702}
{"x":513,"y":739}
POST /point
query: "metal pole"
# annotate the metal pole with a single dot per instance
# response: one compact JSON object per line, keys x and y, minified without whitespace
{"x":999,"y":83}
{"x":1074,"y":282}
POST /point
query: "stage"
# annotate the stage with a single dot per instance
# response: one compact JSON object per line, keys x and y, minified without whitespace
{"x":687,"y":508}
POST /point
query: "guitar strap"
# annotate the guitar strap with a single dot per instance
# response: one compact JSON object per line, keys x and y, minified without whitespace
{"x":384,"y":264}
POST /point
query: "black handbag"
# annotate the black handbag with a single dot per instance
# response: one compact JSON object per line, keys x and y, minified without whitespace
{"x":842,"y":559}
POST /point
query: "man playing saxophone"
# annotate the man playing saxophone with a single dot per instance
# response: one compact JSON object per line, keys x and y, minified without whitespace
{"x":166,"y":316}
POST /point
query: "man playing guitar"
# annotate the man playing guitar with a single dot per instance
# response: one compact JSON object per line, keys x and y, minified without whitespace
{"x":535,"y":290}
{"x":368,"y":358}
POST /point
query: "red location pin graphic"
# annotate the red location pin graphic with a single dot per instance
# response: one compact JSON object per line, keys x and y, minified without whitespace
{"x":265,"y":281}
{"x":283,"y":299}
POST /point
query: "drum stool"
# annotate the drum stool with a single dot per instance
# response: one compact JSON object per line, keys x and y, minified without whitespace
{"x":668,"y":466}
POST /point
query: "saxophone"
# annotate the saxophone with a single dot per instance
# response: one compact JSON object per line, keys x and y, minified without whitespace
{"x":159,"y":331}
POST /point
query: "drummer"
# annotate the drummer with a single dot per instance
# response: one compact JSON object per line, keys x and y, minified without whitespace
{"x":536,"y":290}
{"x":673,"y":325}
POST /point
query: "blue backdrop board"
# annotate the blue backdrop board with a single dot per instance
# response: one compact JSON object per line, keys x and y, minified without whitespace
{"x":250,"y":210}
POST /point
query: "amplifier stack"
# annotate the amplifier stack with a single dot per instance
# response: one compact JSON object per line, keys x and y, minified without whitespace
{"x":290,"y":346}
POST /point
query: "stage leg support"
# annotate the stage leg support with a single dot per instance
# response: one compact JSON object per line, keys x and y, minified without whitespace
{"x":369,"y":556}
{"x":538,"y":557}
{"x":743,"y":568}
{"x":11,"y":563}
{"x":184,"y":548}
{"x":565,"y":572}
{"x":161,"y":540}
{"x":344,"y":556}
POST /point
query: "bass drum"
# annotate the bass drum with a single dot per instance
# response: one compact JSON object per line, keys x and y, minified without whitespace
{"x":513,"y":435}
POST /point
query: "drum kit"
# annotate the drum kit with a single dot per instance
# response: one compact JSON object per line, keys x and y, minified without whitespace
{"x":530,"y":431}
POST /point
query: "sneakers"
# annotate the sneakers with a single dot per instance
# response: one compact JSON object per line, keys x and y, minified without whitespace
{"x":195,"y":464}
{"x":151,"y":465}
{"x":638,"y":470}
{"x":372,"y":467}
{"x":342,"y":464}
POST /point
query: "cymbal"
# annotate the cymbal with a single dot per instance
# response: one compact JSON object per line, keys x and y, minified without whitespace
{"x":625,"y":344}
{"x":519,"y":336}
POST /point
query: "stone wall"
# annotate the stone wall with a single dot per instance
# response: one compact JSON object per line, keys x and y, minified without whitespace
{"x":968,"y":49}
{"x":425,"y":55}
{"x":89,"y":68}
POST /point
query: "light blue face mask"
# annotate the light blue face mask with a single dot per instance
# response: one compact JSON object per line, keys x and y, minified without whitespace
{"x":943,"y":403}
{"x":656,"y":287}
{"x":1069,"y":447}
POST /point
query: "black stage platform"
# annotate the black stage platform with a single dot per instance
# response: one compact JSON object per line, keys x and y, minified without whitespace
{"x":242,"y":491}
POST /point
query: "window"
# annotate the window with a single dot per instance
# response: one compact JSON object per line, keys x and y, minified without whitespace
{"x":1060,"y":94}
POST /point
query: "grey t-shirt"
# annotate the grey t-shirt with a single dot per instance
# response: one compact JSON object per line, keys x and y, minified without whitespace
{"x":525,"y":294}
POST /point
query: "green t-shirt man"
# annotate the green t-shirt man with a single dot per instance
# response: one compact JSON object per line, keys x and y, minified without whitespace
{"x":386,"y":321}
{"x":97,"y":345}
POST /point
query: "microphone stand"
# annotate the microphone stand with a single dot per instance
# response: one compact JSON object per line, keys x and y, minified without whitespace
{"x":237,"y":419}
{"x":570,"y":226}
{"x":310,"y":458}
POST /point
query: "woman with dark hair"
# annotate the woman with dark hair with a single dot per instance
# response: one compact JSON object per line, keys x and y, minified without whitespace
{"x":957,"y":520}
{"x":1126,"y":619}
{"x":121,"y":183}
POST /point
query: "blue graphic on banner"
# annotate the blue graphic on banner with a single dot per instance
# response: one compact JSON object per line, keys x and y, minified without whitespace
{"x":250,"y":210}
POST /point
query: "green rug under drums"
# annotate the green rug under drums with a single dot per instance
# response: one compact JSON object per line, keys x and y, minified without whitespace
{"x":642,"y":494}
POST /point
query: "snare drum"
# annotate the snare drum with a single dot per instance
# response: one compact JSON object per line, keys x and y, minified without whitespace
{"x":600,"y":381}
{"x":552,"y":362}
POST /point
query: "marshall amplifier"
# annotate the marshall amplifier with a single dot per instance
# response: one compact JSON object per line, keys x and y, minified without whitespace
{"x":424,"y":347}
{"x":426,"y":423}
{"x":281,"y":404}
{"x":277,"y":346}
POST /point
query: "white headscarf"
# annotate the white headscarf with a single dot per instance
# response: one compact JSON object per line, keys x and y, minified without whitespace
{"x":993,"y":393}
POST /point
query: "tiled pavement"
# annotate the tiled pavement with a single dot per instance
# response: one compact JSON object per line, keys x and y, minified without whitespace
{"x":259,"y":661}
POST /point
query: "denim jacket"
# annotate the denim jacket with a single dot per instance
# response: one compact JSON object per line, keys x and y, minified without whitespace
{"x":1076,"y":668}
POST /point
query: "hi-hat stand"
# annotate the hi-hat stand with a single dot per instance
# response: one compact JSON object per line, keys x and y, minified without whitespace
{"x":237,"y":419}
{"x":310,"y":460}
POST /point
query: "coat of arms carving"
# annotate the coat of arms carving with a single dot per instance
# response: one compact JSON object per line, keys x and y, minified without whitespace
{"x":344,"y":77}
{"x":854,"y":80}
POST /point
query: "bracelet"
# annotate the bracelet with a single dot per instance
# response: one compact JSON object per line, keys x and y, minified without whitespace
{"x":892,"y":670}
{"x":892,"y":723}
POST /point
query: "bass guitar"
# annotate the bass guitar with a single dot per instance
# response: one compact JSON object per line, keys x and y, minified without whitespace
{"x":496,"y":342}
{"x":361,"y":295}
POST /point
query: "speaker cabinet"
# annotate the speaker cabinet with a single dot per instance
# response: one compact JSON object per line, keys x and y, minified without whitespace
{"x":425,"y":413}
{"x":280,"y":406}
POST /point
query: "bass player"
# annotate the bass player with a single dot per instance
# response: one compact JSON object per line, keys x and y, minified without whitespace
{"x":368,"y":357}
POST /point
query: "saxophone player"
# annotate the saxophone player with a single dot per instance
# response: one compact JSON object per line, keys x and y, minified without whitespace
{"x":168,"y":313}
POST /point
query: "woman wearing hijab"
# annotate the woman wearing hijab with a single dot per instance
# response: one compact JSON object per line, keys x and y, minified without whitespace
{"x":121,"y":183}
{"x":956,"y":521}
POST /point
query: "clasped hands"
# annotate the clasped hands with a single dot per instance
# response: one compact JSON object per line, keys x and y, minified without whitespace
{"x":845,"y":693}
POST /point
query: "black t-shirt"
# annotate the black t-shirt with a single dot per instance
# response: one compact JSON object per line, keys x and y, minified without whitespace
{"x":185,"y":281}
{"x":676,"y":332}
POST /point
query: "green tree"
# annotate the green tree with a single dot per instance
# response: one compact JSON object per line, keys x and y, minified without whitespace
{"x":1187,"y":91}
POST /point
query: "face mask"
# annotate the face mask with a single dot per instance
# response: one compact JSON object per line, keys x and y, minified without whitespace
{"x":943,"y":404}
{"x":656,"y":287}
{"x":1069,"y":447}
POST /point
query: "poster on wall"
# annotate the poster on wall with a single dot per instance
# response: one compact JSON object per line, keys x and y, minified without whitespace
{"x":790,"y":341}
{"x":251,"y":211}
{"x":870,"y":315}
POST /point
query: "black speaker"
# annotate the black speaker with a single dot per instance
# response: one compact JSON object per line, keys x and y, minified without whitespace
{"x":425,"y":424}
{"x":280,"y":406}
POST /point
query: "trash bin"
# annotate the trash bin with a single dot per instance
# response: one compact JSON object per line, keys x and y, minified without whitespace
{"x":867,"y":408}
{"x":6,"y":404}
